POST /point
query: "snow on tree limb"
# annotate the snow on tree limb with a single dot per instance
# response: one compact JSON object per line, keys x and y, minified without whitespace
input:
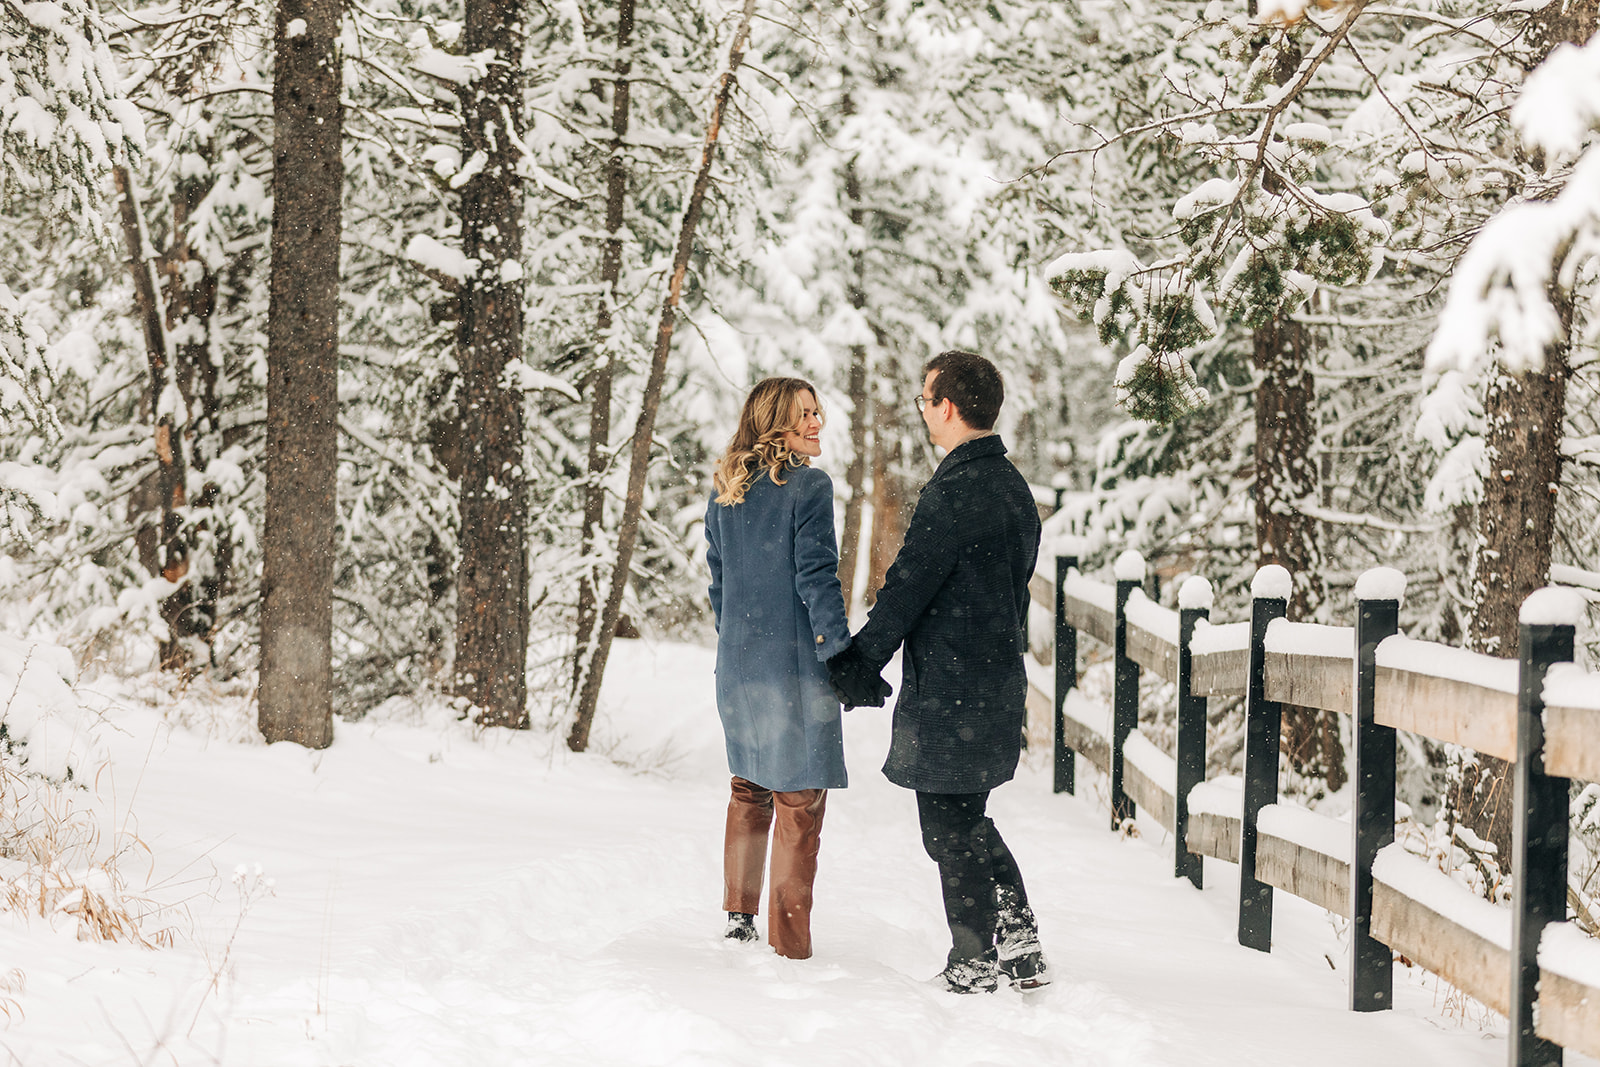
{"x":1500,"y":306}
{"x":1560,"y":104}
{"x":1255,"y":244}
{"x":61,"y":126}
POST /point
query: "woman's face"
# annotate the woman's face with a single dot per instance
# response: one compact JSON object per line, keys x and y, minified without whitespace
{"x":805,"y":439}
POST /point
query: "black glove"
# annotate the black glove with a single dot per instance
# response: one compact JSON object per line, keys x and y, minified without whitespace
{"x":856,"y":682}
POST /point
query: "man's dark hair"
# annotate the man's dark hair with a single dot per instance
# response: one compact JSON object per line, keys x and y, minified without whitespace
{"x":971,"y":382}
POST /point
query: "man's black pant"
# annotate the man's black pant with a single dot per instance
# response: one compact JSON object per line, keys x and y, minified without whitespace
{"x":973,"y":862}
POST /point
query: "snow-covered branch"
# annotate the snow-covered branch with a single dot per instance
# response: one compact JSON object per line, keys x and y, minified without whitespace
{"x":1502,"y":304}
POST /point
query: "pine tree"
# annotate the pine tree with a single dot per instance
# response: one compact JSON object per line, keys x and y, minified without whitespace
{"x":904,"y":226}
{"x":67,"y":124}
{"x":492,"y":573}
{"x":296,"y":687}
{"x":1524,"y":414}
{"x":602,"y":378}
{"x":638,"y":465}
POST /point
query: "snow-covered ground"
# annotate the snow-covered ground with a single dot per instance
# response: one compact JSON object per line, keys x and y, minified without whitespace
{"x":443,"y":899}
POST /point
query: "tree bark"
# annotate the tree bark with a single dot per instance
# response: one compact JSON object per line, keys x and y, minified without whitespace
{"x":191,"y":306}
{"x":889,"y":512}
{"x":1516,"y":525}
{"x":492,"y":570}
{"x":639,"y":458}
{"x":296,"y":686}
{"x":855,"y":474}
{"x":1562,"y":22}
{"x":600,"y":381}
{"x":1286,"y":475}
{"x":1516,"y":519}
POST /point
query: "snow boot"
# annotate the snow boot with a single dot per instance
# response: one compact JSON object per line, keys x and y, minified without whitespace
{"x":1017,"y":943}
{"x":968,"y":975}
{"x":741,"y":927}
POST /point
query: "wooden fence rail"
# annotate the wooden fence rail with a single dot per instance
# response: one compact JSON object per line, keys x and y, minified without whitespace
{"x":1540,"y":711}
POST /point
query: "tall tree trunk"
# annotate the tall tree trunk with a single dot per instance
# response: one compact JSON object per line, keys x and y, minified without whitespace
{"x":644,"y":429}
{"x":855,"y":474}
{"x":169,"y":552}
{"x":296,"y":687}
{"x":890,"y":497}
{"x":1286,"y":475}
{"x":600,"y":381}
{"x":178,"y":355}
{"x":1516,"y":525}
{"x":1523,"y":417}
{"x":492,"y":574}
{"x":191,"y":305}
{"x":1516,"y":519}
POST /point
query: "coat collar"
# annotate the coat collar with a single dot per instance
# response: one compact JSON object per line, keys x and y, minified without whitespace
{"x":977,"y":448}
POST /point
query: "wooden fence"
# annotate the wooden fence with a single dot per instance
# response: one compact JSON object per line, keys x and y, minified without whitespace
{"x":1539,"y":711}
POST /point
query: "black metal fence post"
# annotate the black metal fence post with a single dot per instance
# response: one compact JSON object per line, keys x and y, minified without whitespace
{"x":1539,"y":828}
{"x":1372,"y":821}
{"x":1066,"y":655}
{"x":1125,"y":684}
{"x":1194,"y":604}
{"x":1269,"y":600}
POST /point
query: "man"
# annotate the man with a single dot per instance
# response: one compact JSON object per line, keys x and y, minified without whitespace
{"x":957,"y":597}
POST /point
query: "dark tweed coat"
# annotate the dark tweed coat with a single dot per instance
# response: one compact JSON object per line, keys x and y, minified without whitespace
{"x":957,"y":596}
{"x":775,"y":590}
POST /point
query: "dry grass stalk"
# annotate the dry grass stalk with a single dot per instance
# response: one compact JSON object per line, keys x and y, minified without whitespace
{"x":56,"y":864}
{"x":13,"y":981}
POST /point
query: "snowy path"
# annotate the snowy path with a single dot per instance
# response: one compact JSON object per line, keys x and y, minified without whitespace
{"x":445,"y":901}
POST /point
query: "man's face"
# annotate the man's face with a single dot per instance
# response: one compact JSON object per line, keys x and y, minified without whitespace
{"x":943,"y":426}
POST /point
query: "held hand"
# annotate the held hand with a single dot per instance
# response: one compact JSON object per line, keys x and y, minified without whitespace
{"x":880,"y":690}
{"x":855,"y":682}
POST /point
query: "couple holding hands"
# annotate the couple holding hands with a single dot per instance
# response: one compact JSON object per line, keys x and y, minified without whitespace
{"x":956,"y":597}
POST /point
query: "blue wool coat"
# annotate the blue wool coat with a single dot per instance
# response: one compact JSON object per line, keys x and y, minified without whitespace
{"x":957,"y":596}
{"x":780,"y":615}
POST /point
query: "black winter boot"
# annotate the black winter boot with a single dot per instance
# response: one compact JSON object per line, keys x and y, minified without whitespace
{"x":741,"y":927}
{"x":967,"y":975}
{"x":1017,"y":945}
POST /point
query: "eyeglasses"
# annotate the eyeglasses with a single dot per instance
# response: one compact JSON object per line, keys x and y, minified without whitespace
{"x":924,"y":401}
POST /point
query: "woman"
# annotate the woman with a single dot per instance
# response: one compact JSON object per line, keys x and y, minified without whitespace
{"x":780,"y":616}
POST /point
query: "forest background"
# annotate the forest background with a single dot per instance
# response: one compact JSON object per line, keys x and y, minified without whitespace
{"x":351,"y":349}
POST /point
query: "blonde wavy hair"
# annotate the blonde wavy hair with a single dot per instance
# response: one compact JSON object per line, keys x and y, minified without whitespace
{"x":770,"y":411}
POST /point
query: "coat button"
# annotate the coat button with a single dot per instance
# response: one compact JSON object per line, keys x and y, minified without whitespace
{"x":819,"y":639}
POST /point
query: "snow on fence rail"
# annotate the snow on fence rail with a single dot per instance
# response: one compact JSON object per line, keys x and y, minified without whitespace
{"x":1571,"y":722}
{"x":1539,"y":711}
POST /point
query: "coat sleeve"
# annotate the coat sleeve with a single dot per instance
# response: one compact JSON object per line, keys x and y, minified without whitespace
{"x":925,"y":560}
{"x":1030,"y":560}
{"x":714,"y":562}
{"x":816,"y":566}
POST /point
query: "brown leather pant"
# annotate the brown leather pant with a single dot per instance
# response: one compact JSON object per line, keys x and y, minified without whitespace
{"x":795,"y":841}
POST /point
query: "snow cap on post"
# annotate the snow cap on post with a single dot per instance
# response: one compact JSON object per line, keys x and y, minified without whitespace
{"x":1129,"y":567}
{"x":1195,"y":594}
{"x":1381,"y":583}
{"x":1551,"y":606}
{"x":1272,"y":582}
